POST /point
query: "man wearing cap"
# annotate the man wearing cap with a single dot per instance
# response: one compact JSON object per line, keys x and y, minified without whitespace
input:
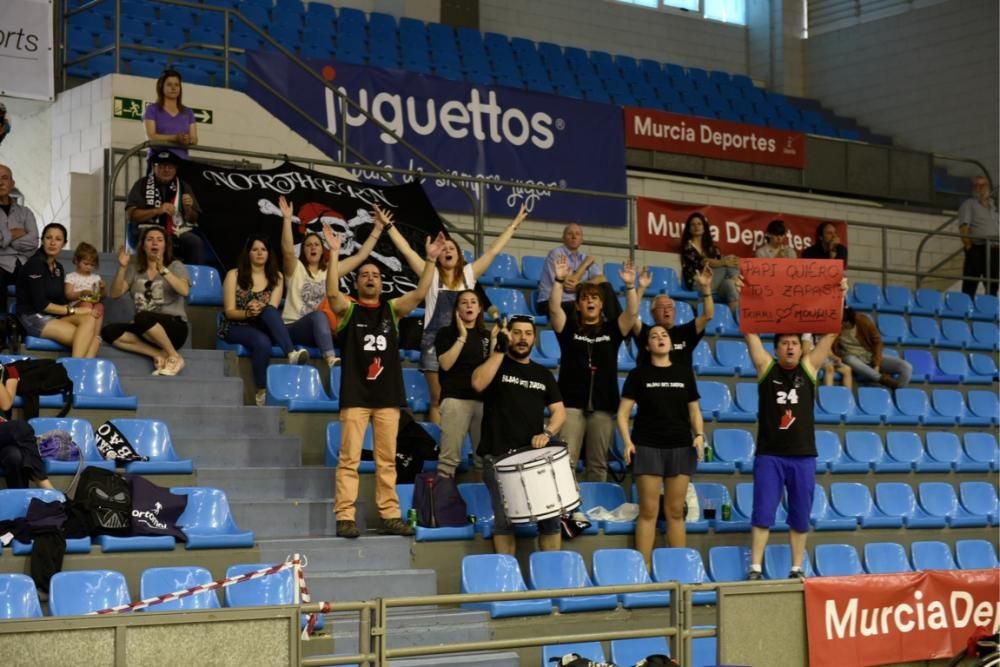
{"x":977,"y":222}
{"x":776,"y":242}
{"x":164,"y":200}
{"x":18,"y":234}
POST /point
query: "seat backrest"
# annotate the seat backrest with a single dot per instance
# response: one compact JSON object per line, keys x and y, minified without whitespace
{"x":531,"y":267}
{"x":491,"y":573}
{"x":912,"y":402}
{"x":975,"y":554}
{"x":929,"y":299}
{"x":682,"y":564}
{"x":851,"y":499}
{"x":746,"y":396}
{"x":952,"y":362}
{"x":732,"y":352}
{"x":864,"y":446}
{"x":632,"y":651}
{"x":732,"y":444}
{"x":892,"y":327}
{"x":477,"y":500}
{"x":895,"y":498}
{"x":149,"y":437}
{"x":985,"y":332}
{"x":837,"y":560}
{"x":984,"y":404}
{"x":80,"y":430}
{"x":614,"y":567}
{"x":712,"y":495}
{"x":558,"y":569}
{"x":886,"y":558}
{"x":287,"y":381}
{"x":938,"y":498}
{"x":836,"y":400}
{"x":549,"y":344}
{"x":272,"y":589}
{"x":904,"y":446}
{"x":931,"y":555}
{"x":957,"y":331}
{"x":943,"y":446}
{"x":79,"y":592}
{"x":981,"y":446}
{"x":93,"y":377}
{"x":828,"y":447}
{"x":982,"y":364}
{"x":728,"y":563}
{"x":207,"y":509}
{"x":925,"y":327}
{"x":606,"y":494}
{"x":158,"y":581}
{"x":898,"y":296}
{"x":714,"y":396}
{"x":778,"y":561}
{"x":987,"y":305}
{"x":18,"y":597}
{"x":867,"y":296}
{"x":875,"y":400}
{"x":206,"y":286}
{"x":922,"y":362}
{"x":957,"y":304}
{"x":948,"y":402}
{"x":14,"y":502}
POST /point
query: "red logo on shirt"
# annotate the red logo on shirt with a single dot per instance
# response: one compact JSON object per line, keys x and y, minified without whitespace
{"x":786,"y":420}
{"x":375,"y":368}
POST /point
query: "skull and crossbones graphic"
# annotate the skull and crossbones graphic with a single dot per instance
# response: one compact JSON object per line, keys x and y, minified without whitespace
{"x":314,"y":216}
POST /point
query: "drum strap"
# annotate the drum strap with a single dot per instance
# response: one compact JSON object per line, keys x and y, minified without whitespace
{"x":593,"y":375}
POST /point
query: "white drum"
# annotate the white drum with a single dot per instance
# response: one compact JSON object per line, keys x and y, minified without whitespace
{"x":537,"y":484}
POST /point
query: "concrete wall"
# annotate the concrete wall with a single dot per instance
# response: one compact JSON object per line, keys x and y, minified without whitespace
{"x":927,"y":77}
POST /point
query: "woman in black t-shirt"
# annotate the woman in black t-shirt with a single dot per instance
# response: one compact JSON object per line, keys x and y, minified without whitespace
{"x":660,"y":446}
{"x":461,"y":347}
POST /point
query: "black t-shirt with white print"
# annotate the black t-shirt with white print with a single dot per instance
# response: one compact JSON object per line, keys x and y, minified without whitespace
{"x":583,"y":348}
{"x":662,"y":395}
{"x":514,"y":406}
{"x":456,"y":382}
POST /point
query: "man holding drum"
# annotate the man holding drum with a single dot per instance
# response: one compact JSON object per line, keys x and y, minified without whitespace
{"x":515,"y":393}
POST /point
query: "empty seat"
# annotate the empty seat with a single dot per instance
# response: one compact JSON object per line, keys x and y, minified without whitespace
{"x":477,"y":501}
{"x":207,"y":520}
{"x":82,"y":433}
{"x":866,"y":446}
{"x":728,"y":563}
{"x":837,"y":560}
{"x":428,"y":534}
{"x":906,"y":447}
{"x":592,"y":651}
{"x":511,"y":302}
{"x":418,"y":396}
{"x":778,"y":562}
{"x":733,"y":447}
{"x":505,"y":272}
{"x":975,"y":554}
{"x":623,"y":567}
{"x":897,"y":299}
{"x":981,"y":451}
{"x":986,"y":307}
{"x":877,"y":402}
{"x":80,"y":592}
{"x":566,"y":569}
{"x":855,"y":500}
{"x":957,"y":305}
{"x":14,"y":505}
{"x":940,"y":500}
{"x":158,"y":581}
{"x":734,"y":353}
{"x":151,"y":438}
{"x":954,"y":334}
{"x":898,"y":499}
{"x":531,"y":268}
{"x":683,"y":565}
{"x":954,"y":368}
{"x":206,"y":286}
{"x":836,"y":404}
{"x":982,"y":406}
{"x":886,"y":558}
{"x":18,"y":597}
{"x":892,"y":328}
{"x":298,"y":388}
{"x":865,"y":296}
{"x":950,"y":405}
{"x":927,"y":302}
{"x":609,"y":496}
{"x":925,"y":368}
{"x":824,"y":517}
{"x":704,"y":362}
{"x":499,"y":573}
{"x":931,"y":555}
{"x":983,"y":364}
{"x":985,"y":336}
{"x":944,"y":446}
{"x":979,"y":498}
{"x":95,"y":385}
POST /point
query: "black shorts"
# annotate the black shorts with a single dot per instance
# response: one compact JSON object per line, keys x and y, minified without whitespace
{"x":665,"y":462}
{"x":176,"y":328}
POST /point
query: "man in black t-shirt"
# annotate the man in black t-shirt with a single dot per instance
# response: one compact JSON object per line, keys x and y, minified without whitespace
{"x":515,"y":393}
{"x":588,"y":366}
{"x":683,"y":336}
{"x":371,"y":386}
{"x":161,"y":198}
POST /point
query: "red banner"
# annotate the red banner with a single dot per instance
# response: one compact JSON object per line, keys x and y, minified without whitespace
{"x":692,"y":135}
{"x":887,"y":619}
{"x":736,"y":231}
{"x":791,"y":295}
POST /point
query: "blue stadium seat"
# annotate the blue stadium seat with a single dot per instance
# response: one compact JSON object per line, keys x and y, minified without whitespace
{"x":854,"y":500}
{"x":957,"y":305}
{"x":272,"y":590}
{"x":828,"y":450}
{"x":975,"y":554}
{"x":566,"y":569}
{"x":837,"y":560}
{"x":333,"y":448}
{"x":981,"y":451}
{"x":897,"y":299}
{"x":892,"y":328}
{"x":983,"y":364}
{"x":14,"y":505}
{"x":906,"y":447}
{"x":207,"y":521}
{"x":897,"y":499}
{"x":866,"y":446}
{"x":886,"y":558}
{"x":609,"y":496}
{"x":985,"y":336}
{"x":836,"y":404}
{"x":925,"y":368}
{"x":733,"y":449}
{"x":151,"y":438}
{"x":427,"y":534}
{"x":511,"y":302}
{"x":944,"y":446}
{"x":979,"y":498}
{"x":954,"y":369}
{"x":955,"y":334}
{"x":499,"y":573}
{"x":778,"y":562}
{"x":158,"y":581}
{"x":940,"y":500}
{"x":80,"y":592}
{"x":298,"y":388}
{"x":505,"y":272}
{"x":625,"y":360}
{"x":82,"y":433}
{"x":477,"y":501}
{"x":684,"y":313}
{"x":734,"y":353}
{"x":913,"y":407}
{"x":987,"y":308}
{"x":418,"y":396}
{"x":18,"y":597}
{"x":728,"y":563}
{"x":206,"y":286}
{"x":683,"y":565}
{"x":824,"y":517}
{"x":922,"y":331}
{"x":715,"y":398}
{"x":704,"y":363}
{"x":932,"y":555}
{"x":743,"y":508}
{"x":723,"y":323}
{"x":865,"y":296}
{"x":712,"y":495}
{"x":531,"y":268}
{"x":950,"y":404}
{"x":983,"y":406}
{"x":95,"y":385}
{"x":592,"y":651}
{"x":623,"y":567}
{"x":877,"y":402}
{"x":746,"y":397}
{"x":632,"y":651}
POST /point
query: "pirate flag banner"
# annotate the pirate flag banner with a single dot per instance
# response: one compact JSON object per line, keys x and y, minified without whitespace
{"x":237,"y":203}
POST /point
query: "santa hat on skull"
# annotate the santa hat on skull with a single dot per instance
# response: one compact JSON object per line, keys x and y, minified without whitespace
{"x":313,"y":216}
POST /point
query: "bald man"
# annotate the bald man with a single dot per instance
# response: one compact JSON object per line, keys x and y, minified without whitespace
{"x":683,"y":337}
{"x":18,"y":234}
{"x":977,"y":222}
{"x":581,"y":269}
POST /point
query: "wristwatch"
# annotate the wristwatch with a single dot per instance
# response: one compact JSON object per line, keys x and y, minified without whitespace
{"x":548,"y":433}
{"x":164,"y":272}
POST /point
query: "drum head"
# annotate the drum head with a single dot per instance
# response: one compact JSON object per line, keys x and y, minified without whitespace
{"x":529,"y":457}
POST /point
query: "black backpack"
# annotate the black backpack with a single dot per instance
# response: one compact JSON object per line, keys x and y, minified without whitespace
{"x":106,"y":501}
{"x":438,"y":502}
{"x":42,"y":377}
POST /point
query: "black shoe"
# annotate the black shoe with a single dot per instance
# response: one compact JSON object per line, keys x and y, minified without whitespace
{"x":797,"y":574}
{"x":348,"y":529}
{"x":754,"y":575}
{"x":396,"y":527}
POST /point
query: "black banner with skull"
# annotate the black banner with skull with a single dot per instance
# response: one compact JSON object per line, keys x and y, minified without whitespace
{"x":238,"y":203}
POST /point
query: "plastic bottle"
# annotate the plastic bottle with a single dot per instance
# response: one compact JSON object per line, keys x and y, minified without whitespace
{"x":411,"y":517}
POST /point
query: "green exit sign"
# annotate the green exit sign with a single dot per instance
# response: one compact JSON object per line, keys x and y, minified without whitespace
{"x":131,"y":108}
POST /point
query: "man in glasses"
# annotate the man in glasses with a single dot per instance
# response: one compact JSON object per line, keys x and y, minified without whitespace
{"x":515,"y":391}
{"x":683,"y":337}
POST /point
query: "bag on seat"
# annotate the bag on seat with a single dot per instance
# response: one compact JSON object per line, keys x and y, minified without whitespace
{"x":438,"y":503}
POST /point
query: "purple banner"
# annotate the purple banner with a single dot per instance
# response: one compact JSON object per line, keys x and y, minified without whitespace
{"x":496,"y":133}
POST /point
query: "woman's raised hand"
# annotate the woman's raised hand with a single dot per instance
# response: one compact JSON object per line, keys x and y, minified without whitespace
{"x":124,"y":256}
{"x":332,"y":240}
{"x":286,"y":207}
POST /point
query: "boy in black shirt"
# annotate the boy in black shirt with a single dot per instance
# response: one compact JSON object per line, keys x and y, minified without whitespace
{"x":516,"y":392}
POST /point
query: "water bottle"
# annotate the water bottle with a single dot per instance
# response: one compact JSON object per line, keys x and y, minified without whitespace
{"x":471,"y":519}
{"x":727,"y":512}
{"x":411,"y":517}
{"x":709,"y":454}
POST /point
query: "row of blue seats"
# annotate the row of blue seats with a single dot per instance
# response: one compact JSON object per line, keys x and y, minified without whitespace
{"x":923,"y":301}
{"x":76,"y":593}
{"x":496,"y":573}
{"x":926,"y":331}
{"x":206,"y":522}
{"x":95,"y":385}
{"x":864,"y":451}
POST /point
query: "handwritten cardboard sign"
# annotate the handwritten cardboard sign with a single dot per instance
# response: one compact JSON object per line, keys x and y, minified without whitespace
{"x":791,"y":295}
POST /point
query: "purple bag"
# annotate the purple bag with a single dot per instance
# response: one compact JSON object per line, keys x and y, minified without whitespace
{"x":58,"y":446}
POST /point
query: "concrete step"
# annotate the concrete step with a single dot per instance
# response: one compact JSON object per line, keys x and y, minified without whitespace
{"x":370,"y":584}
{"x":185,"y":391}
{"x":213,"y":420}
{"x":198,"y":363}
{"x":334,"y":554}
{"x":243,"y":456}
{"x":287,"y":517}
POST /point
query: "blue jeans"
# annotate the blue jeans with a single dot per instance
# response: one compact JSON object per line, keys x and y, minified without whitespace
{"x":258,"y":335}
{"x":312,"y":330}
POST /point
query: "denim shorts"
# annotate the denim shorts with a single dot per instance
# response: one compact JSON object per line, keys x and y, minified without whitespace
{"x":35,"y":322}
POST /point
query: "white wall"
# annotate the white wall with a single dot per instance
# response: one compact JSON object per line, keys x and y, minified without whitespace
{"x":927,"y":77}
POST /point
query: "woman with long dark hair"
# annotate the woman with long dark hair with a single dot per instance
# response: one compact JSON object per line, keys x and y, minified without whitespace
{"x":698,"y":248}
{"x":168,"y":122}
{"x":250,"y":295}
{"x":158,"y":284}
{"x":461,"y":346}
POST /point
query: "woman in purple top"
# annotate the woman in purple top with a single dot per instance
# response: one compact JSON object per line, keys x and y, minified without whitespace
{"x":168,"y":121}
